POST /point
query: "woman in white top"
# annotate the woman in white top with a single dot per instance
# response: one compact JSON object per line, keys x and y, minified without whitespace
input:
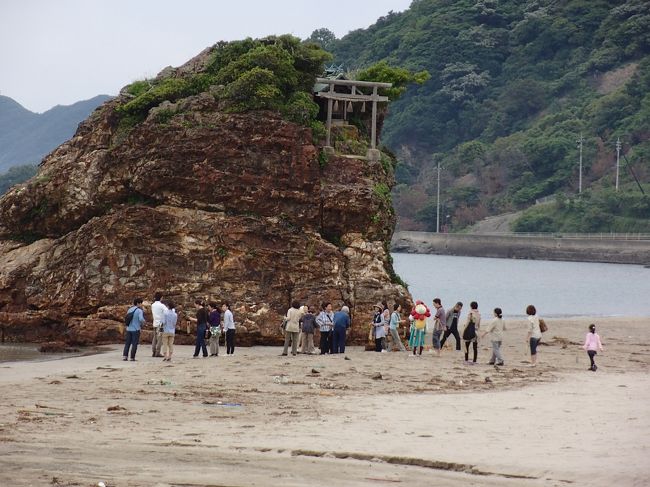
{"x":534,"y":333}
{"x":496,"y":328}
{"x":228,"y":325}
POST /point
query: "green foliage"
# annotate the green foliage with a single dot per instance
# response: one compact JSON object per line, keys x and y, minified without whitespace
{"x":254,"y":90}
{"x":170,"y":89}
{"x":512,"y":86}
{"x":382,"y":191}
{"x":323,"y":158}
{"x":592,"y":212}
{"x":16,"y":175}
{"x":138,"y":88}
{"x":300,"y":108}
{"x":275,"y":73}
{"x":323,"y":37}
{"x":400,"y":78}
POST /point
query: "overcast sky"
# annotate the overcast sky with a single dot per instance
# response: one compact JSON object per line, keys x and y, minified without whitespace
{"x":57,"y":52}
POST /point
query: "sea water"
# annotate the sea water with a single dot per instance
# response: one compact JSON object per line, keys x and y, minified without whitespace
{"x":557,"y":289}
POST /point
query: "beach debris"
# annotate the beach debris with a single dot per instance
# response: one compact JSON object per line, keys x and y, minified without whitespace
{"x":115,"y":408}
{"x":488,"y":380}
{"x":101,"y":484}
{"x":314,"y":371}
{"x":55,"y":382}
{"x":73,"y":376}
{"x":281,"y":379}
{"x":314,"y":386}
{"x":376,"y":376}
{"x":347,"y":358}
{"x":162,"y":382}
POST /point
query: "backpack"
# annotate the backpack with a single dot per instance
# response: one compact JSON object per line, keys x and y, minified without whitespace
{"x":543,"y":327}
{"x":129,"y":317}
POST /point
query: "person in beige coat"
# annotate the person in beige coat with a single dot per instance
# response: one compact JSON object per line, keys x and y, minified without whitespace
{"x":292,"y":329}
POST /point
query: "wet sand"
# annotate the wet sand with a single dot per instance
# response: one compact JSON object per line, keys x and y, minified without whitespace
{"x":261,"y":419}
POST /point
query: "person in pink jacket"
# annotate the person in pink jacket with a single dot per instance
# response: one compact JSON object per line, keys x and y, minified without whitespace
{"x":592,"y":345}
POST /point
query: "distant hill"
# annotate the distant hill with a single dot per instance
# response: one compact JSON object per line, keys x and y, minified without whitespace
{"x":25,"y":137}
{"x":513,"y":85}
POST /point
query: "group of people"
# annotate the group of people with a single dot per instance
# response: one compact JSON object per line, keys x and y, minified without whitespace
{"x":211,"y":321}
{"x":444,"y":324}
{"x":300,"y":324}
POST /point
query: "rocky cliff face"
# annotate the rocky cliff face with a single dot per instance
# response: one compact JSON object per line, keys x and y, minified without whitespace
{"x":199,"y":203}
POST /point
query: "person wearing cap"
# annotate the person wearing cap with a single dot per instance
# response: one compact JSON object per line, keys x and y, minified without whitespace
{"x":378,"y":327}
{"x":341,"y":325}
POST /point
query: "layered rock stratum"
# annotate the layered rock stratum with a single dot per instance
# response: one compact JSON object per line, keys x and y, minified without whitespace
{"x":204,"y":203}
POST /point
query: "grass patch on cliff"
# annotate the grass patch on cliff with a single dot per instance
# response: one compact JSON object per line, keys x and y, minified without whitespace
{"x":274,"y":73}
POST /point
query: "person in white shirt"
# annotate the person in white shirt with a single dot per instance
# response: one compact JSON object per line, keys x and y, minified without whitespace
{"x":228,"y":324}
{"x":534,"y":333}
{"x":158,"y":311}
{"x":496,"y":328}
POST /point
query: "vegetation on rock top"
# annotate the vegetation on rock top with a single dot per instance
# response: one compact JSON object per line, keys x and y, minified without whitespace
{"x":274,"y":73}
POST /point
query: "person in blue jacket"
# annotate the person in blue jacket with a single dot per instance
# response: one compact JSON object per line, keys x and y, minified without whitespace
{"x":341,"y":325}
{"x":133,"y":329}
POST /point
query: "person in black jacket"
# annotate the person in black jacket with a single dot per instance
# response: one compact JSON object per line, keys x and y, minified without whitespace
{"x":451,"y":325}
{"x":201,"y":328}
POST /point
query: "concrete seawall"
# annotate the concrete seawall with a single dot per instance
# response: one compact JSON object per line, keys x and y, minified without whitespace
{"x":591,"y":249}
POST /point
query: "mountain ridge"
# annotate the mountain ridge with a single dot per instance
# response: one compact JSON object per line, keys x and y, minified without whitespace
{"x":26,"y":137}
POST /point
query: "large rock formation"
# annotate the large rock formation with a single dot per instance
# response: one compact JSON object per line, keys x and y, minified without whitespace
{"x":199,"y":203}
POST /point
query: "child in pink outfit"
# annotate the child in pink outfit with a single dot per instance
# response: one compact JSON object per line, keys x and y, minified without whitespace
{"x":592,"y":344}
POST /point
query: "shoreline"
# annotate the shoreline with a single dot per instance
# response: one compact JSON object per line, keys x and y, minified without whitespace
{"x":230,"y":421}
{"x":608,"y":251}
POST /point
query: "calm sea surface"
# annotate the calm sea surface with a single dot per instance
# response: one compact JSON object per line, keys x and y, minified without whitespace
{"x":555,"y":288}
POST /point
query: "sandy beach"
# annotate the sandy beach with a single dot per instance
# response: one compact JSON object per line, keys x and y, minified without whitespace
{"x":261,"y":419}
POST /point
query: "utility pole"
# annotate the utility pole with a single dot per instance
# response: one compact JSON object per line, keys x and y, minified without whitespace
{"x":580,"y":141}
{"x":618,"y":158}
{"x":438,"y":201}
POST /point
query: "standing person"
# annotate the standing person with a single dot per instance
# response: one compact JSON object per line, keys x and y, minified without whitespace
{"x":592,"y":345}
{"x":308,"y":327}
{"x":470,"y":332}
{"x":229,"y":327}
{"x":341,"y":325}
{"x":452,"y":318}
{"x":395,"y":321}
{"x":534,"y":333}
{"x":214,"y":320}
{"x":201,"y":328}
{"x":439,"y":321}
{"x":170,"y":318}
{"x":158,"y":311}
{"x":418,"y":331}
{"x":495,"y":328}
{"x":378,"y":326}
{"x":291,"y":331}
{"x":133,"y":329}
{"x":385,"y":316}
{"x":325,"y":323}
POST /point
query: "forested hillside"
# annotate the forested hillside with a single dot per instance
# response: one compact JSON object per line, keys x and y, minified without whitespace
{"x":513,"y":85}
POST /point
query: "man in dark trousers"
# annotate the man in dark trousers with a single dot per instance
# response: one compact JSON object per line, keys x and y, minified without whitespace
{"x":451,"y":325}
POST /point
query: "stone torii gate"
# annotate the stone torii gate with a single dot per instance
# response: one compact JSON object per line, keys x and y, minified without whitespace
{"x":354,"y":96}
